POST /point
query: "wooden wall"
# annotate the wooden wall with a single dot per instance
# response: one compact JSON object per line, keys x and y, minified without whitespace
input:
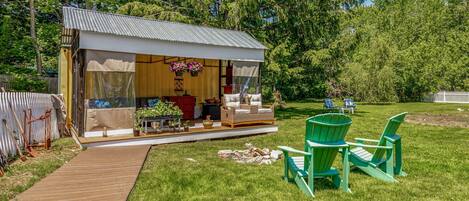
{"x":153,"y":78}
{"x":65,"y":80}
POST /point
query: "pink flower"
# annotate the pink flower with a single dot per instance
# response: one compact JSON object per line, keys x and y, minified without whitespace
{"x":177,"y":67}
{"x":195,"y":67}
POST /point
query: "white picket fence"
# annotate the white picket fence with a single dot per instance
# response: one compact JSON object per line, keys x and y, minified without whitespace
{"x":21,"y":101}
{"x":449,"y":97}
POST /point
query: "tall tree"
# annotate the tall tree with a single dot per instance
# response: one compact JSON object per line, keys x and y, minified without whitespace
{"x":32,"y":13}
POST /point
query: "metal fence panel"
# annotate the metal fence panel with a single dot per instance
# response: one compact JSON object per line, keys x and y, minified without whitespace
{"x":21,"y":101}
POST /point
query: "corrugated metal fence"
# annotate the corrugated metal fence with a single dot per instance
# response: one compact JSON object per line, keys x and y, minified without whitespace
{"x":21,"y":101}
{"x":449,"y":97}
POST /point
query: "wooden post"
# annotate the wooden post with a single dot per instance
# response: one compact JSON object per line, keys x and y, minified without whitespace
{"x":12,"y":136}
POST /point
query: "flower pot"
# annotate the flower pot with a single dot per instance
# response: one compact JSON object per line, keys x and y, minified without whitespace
{"x":179,"y":73}
{"x":208,"y":124}
{"x":194,"y":73}
{"x":136,"y":133}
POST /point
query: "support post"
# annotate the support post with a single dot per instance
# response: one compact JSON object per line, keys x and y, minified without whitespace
{"x":389,"y":160}
{"x":346,"y":171}
{"x":311,"y":171}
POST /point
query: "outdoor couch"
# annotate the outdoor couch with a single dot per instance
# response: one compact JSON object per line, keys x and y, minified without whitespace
{"x":234,"y":113}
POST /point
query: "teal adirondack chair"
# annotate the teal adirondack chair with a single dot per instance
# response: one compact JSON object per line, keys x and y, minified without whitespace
{"x":388,"y":150}
{"x":324,"y":137}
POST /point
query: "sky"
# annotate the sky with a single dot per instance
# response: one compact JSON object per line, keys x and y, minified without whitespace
{"x":368,"y":3}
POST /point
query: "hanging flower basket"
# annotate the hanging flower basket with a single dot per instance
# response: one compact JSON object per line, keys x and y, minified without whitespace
{"x":194,"y":68}
{"x":178,"y":68}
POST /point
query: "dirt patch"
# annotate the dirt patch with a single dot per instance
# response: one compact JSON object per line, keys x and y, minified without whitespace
{"x":447,"y":120}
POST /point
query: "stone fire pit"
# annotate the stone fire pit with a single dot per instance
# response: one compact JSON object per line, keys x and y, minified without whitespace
{"x":252,"y":155}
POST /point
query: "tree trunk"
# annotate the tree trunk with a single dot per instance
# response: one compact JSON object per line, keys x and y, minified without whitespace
{"x":32,"y":13}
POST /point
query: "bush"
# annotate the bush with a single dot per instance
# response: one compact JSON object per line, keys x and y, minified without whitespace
{"x":11,"y":70}
{"x":21,"y":82}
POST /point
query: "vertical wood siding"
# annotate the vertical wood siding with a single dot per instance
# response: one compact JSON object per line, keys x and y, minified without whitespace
{"x":21,"y":101}
{"x":154,"y":79}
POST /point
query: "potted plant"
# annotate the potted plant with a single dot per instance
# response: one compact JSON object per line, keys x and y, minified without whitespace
{"x":194,"y":68}
{"x":178,"y":68}
{"x":208,"y":123}
{"x":186,"y":126}
{"x":161,"y":109}
{"x":139,"y":115}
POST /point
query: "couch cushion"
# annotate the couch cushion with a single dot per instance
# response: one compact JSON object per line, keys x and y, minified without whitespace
{"x":264,"y":110}
{"x":242,"y":111}
{"x":232,"y":100}
{"x":255,"y":99}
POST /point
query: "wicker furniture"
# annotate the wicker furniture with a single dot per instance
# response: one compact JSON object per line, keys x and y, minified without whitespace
{"x":234,"y":113}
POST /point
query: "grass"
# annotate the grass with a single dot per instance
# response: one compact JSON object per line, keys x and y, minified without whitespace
{"x":22,"y":175}
{"x":435,"y":158}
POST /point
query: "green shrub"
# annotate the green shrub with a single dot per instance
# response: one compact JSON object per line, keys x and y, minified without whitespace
{"x":11,"y":70}
{"x":21,"y":82}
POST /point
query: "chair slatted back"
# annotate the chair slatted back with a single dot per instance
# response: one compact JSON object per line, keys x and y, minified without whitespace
{"x":328,"y":103}
{"x":390,"y":130}
{"x":326,"y":129}
{"x":348,"y":103}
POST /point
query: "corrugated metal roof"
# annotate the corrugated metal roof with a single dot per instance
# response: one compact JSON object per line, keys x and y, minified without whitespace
{"x":88,"y":20}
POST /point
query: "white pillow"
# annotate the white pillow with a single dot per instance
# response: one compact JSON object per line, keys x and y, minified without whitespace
{"x":255,"y":99}
{"x":232,"y":100}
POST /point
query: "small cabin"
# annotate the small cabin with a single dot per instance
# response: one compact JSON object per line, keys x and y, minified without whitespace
{"x":111,"y":65}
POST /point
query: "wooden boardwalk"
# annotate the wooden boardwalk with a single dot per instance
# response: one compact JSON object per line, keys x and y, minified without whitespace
{"x":95,"y":174}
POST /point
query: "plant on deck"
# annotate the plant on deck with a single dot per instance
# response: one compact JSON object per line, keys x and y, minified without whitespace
{"x":161,"y":109}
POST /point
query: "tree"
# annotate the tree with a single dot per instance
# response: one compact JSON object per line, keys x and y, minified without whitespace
{"x":32,"y":15}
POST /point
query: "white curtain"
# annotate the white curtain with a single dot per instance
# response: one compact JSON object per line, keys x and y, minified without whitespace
{"x":245,"y":77}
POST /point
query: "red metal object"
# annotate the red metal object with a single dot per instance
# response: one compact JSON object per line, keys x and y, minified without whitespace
{"x":47,"y":128}
{"x":228,"y":89}
{"x":27,"y":137}
{"x":186,"y":104}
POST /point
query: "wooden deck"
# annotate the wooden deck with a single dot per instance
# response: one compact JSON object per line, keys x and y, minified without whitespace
{"x":94,"y":174}
{"x":195,"y":134}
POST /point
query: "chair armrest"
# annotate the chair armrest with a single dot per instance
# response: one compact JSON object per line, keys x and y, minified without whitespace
{"x":229,"y":110}
{"x":365,"y":140}
{"x":369,"y":146}
{"x":331,"y":145}
{"x":393,"y":138}
{"x":292,"y":150}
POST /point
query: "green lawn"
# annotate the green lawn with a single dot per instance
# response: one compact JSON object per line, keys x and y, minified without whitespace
{"x":435,"y":157}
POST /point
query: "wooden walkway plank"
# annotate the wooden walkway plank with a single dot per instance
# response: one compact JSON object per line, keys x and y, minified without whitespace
{"x":95,"y":174}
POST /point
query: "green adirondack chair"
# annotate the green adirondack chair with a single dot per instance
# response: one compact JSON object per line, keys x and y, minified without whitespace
{"x":387,"y":151}
{"x":324,"y":137}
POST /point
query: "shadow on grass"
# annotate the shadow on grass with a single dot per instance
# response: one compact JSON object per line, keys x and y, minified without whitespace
{"x":295,"y":113}
{"x":319,"y":183}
